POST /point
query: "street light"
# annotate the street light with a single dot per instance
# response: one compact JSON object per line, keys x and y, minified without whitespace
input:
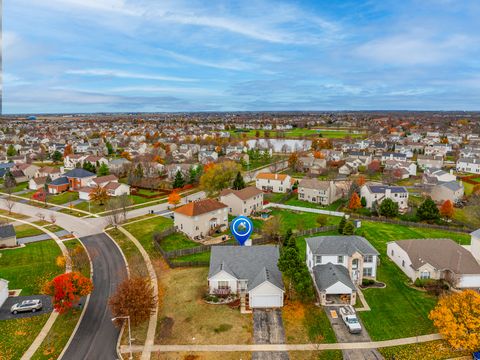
{"x":129,"y":333}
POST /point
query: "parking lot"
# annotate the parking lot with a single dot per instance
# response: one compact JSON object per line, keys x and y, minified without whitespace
{"x":5,"y":309}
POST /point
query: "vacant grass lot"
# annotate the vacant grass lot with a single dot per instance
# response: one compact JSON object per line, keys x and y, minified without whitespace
{"x":28,"y":268}
{"x":185,"y":319}
{"x":398,"y":310}
{"x":18,"y":334}
{"x":26,"y":230}
{"x":144,"y":230}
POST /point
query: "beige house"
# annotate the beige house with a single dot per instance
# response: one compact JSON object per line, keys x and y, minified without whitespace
{"x":242,"y":202}
{"x":321,"y":192}
{"x":200,"y":218}
{"x":8,"y":237}
{"x":436,"y":259}
{"x":377,"y":193}
{"x":277,"y":183}
{"x":452,"y":190}
{"x":28,"y":169}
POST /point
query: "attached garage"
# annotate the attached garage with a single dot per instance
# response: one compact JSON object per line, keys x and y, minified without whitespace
{"x":266,"y":295}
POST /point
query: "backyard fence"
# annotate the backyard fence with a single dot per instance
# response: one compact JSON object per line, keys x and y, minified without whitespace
{"x":305,"y":209}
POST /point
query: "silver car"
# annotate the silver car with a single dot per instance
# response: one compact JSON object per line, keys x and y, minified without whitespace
{"x":26,"y":305}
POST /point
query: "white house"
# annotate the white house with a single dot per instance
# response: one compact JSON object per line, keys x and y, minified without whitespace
{"x":277,"y":183}
{"x":249,"y":271}
{"x":434,"y":176}
{"x":469,"y":165}
{"x":378,"y":193}
{"x":200,"y":218}
{"x":354,"y":258}
{"x":437,"y":259}
{"x":242,"y":202}
{"x":3,"y":291}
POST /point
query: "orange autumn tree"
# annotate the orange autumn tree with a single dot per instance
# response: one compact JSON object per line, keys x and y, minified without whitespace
{"x":457,"y":317}
{"x":67,"y":289}
{"x":354,"y":202}
{"x":68,"y":150}
{"x":174,"y":198}
{"x":447,"y":210}
{"x":361,"y":180}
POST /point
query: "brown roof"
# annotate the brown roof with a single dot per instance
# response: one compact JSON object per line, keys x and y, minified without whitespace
{"x":443,"y":254}
{"x":49,"y":170}
{"x":86,"y":189}
{"x":243,"y":194}
{"x":40,"y":180}
{"x":269,"y":176}
{"x":200,"y":207}
{"x":314,"y":184}
{"x":112,"y":185}
{"x":104,"y":179}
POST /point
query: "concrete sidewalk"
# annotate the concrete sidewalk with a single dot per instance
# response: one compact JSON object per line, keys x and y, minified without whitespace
{"x":31,"y":239}
{"x":285,"y":347}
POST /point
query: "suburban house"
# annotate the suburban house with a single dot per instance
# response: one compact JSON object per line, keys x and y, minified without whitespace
{"x":3,"y":291}
{"x":436,"y":259}
{"x":58,"y":185}
{"x":378,"y":193}
{"x":469,"y":165}
{"x":200,"y":218}
{"x":277,"y":183}
{"x":338,"y":263}
{"x":78,"y":178}
{"x":37,"y":183}
{"x":29,"y":170}
{"x":451,"y":190}
{"x":407,"y":167}
{"x":249,"y":271}
{"x":433,"y":176}
{"x":8,"y":237}
{"x":242,"y":202}
{"x":312,"y":165}
{"x":321,"y":192}
{"x":429,"y":161}
{"x":108,"y":182}
{"x":53,"y":172}
{"x":398,"y":156}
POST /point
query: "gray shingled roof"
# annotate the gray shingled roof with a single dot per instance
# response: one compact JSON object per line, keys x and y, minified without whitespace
{"x":452,"y":185}
{"x":253,"y":263}
{"x":79,"y":173}
{"x":7,"y":231}
{"x":340,"y":245}
{"x":380,"y":189}
{"x":329,"y":274}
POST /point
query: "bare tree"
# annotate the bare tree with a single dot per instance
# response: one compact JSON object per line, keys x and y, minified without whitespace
{"x":9,"y":203}
{"x":124,"y":201}
{"x":41,"y":216}
{"x":53,"y":218}
{"x":114,"y":212}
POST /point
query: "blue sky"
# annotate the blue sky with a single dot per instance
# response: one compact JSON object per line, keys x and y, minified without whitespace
{"x":149,"y":55}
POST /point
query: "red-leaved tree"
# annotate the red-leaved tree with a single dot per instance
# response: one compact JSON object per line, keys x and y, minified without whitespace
{"x":67,"y":289}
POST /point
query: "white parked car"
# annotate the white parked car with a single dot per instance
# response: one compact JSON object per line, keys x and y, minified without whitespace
{"x":26,"y":305}
{"x":350,"y":319}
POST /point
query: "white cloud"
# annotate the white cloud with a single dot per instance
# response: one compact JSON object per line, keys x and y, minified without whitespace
{"x":125,"y":74}
{"x":236,"y":65}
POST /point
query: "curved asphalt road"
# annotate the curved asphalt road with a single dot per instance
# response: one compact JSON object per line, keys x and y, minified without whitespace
{"x":96,"y":337}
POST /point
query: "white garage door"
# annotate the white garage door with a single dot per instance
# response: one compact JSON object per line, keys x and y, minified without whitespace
{"x":265,"y":301}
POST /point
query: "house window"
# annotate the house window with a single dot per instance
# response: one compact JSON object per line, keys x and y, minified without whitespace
{"x":223,"y":285}
{"x":367,"y":271}
{"x":318,"y":260}
{"x":425,"y":275}
{"x":340,"y":259}
{"x":368,"y":258}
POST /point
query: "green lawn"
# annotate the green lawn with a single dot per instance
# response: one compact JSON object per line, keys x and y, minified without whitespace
{"x":29,"y":267}
{"x":204,"y":256}
{"x":63,"y":198}
{"x":398,"y":310}
{"x":297,"y":220}
{"x":177,"y":241}
{"x":20,"y":187}
{"x":144,"y":230}
{"x":468,"y":215}
{"x":332,"y":207}
{"x":26,"y":230}
{"x":72,"y":212}
{"x":93,"y":208}
{"x":18,"y":334}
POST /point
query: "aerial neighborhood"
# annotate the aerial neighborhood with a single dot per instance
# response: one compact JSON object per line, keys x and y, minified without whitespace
{"x":364,"y":228}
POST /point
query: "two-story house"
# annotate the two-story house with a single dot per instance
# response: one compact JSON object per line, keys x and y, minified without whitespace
{"x":378,"y":193}
{"x":277,"y":183}
{"x":321,"y":192}
{"x":338,"y":264}
{"x":198,"y":219}
{"x":242,"y":202}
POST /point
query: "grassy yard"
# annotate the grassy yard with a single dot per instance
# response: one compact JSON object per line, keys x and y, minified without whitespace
{"x":72,"y":212}
{"x":433,"y":350}
{"x":13,"y":214}
{"x":144,"y":230}
{"x":28,"y":267}
{"x":297,"y":220}
{"x":306,"y":323}
{"x":20,"y":187}
{"x":185,"y":319}
{"x":316,"y":355}
{"x":26,"y":230}
{"x":398,"y":310}
{"x":93,"y":208}
{"x":63,"y":199}
{"x":468,"y":215}
{"x":177,"y":241}
{"x":18,"y":334}
{"x":332,"y":207}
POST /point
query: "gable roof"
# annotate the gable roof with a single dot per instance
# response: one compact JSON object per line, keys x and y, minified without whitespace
{"x":7,"y":231}
{"x":270,"y":176}
{"x":314,"y":184}
{"x":440,"y":253}
{"x":451,"y":185}
{"x":243,"y":194}
{"x":256,"y":264}
{"x":200,"y":207}
{"x":329,"y":274}
{"x":59,"y":181}
{"x":380,"y":189}
{"x":340,"y":245}
{"x":79,"y":173}
{"x":104,"y":179}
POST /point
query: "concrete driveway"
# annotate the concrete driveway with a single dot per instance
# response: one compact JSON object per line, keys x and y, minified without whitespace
{"x":268,"y":329}
{"x":5,"y":309}
{"x":343,"y":335}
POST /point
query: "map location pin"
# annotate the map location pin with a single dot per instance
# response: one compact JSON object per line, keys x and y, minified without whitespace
{"x":241,"y":228}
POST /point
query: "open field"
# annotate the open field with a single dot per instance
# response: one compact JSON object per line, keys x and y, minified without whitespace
{"x":18,"y":334}
{"x":28,"y":267}
{"x":185,"y":319}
